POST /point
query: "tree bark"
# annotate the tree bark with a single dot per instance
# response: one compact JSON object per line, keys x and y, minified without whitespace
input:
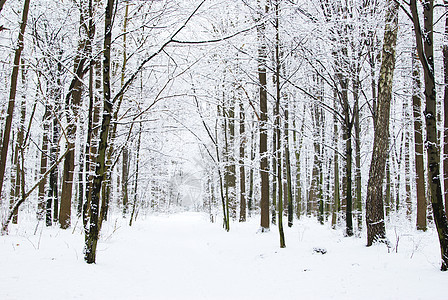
{"x":425,"y":49}
{"x":43,"y":165}
{"x":264,"y":169}
{"x":376,"y":230}
{"x":137,"y":161}
{"x":73,"y":101}
{"x":12,"y":94}
{"x":337,"y":194}
{"x":288,"y":169}
{"x":445,"y":107}
{"x":357,"y":127}
{"x":242,"y":167}
{"x":277,"y":125}
{"x":418,"y":140}
{"x":93,"y":230}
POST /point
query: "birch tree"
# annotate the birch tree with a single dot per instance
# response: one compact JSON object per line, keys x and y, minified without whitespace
{"x":376,"y":230}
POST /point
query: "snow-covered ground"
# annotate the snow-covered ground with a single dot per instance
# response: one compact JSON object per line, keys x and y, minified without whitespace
{"x":183,"y":256}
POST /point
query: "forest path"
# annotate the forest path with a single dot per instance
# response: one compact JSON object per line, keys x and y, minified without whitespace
{"x":184,"y":256}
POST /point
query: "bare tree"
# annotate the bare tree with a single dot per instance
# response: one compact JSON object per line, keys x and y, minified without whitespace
{"x":376,"y":230}
{"x":425,"y":49}
{"x":12,"y":93}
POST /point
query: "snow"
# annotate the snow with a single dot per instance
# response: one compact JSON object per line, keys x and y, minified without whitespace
{"x":184,"y":256}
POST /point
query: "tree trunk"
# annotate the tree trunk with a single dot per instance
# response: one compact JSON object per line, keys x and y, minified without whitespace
{"x":274,"y":191}
{"x":407,"y":162}
{"x":388,"y":194}
{"x":297,"y":152}
{"x":12,"y":94}
{"x":41,"y":206}
{"x":376,"y":230}
{"x":445,"y":107}
{"x":425,"y":48}
{"x":337,"y":194}
{"x":137,"y":161}
{"x":251,"y":175}
{"x":124,"y":181}
{"x":348,"y":177}
{"x":242,"y":168}
{"x":17,"y":181}
{"x":93,"y":230}
{"x":357,"y":127}
{"x":288,"y":168}
{"x":277,"y":126}
{"x":2,"y":3}
{"x":264,"y":169}
{"x":73,"y":102}
{"x":52,"y":200}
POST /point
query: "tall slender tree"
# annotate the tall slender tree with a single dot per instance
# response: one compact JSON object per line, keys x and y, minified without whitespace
{"x":72,"y":104}
{"x":12,"y":93}
{"x":425,"y":49}
{"x":376,"y":230}
{"x":264,"y":171}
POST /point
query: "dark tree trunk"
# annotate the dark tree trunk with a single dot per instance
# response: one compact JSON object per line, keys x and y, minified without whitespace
{"x":73,"y":101}
{"x":41,"y":206}
{"x":242,"y":168}
{"x":17,"y":180}
{"x":445,"y":107}
{"x":288,"y":169}
{"x":124,"y":175}
{"x":100,"y":172}
{"x":357,"y":127}
{"x":425,"y":49}
{"x":12,"y":94}
{"x":337,"y":194}
{"x":277,"y":126}
{"x":348,"y":177}
{"x":264,"y":169}
{"x":137,"y":161}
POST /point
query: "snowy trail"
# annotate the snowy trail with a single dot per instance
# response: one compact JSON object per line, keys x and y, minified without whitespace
{"x":183,"y":256}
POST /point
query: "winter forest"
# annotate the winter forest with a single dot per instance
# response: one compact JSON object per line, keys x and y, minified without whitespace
{"x":288,"y":142}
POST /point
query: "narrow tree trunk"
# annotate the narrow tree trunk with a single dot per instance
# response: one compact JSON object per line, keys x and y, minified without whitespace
{"x":73,"y":101}
{"x":376,"y":230}
{"x":251,"y":175}
{"x":80,"y":190}
{"x":274,"y":176}
{"x":85,"y":201}
{"x":230,"y":168}
{"x":407,"y":162}
{"x":288,"y":169}
{"x":52,"y":201}
{"x":16,"y":179}
{"x":337,"y":195}
{"x":93,"y":230}
{"x":418,"y":146}
{"x":358,"y":178}
{"x":388,"y":196}
{"x":137,"y":161}
{"x":445,"y":107}
{"x":348,"y":176}
{"x":425,"y":48}
{"x":242,"y":168}
{"x":297,"y":152}
{"x":12,"y":94}
{"x":41,"y":206}
{"x":124,"y":181}
{"x":264,"y":169}
{"x":277,"y":125}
